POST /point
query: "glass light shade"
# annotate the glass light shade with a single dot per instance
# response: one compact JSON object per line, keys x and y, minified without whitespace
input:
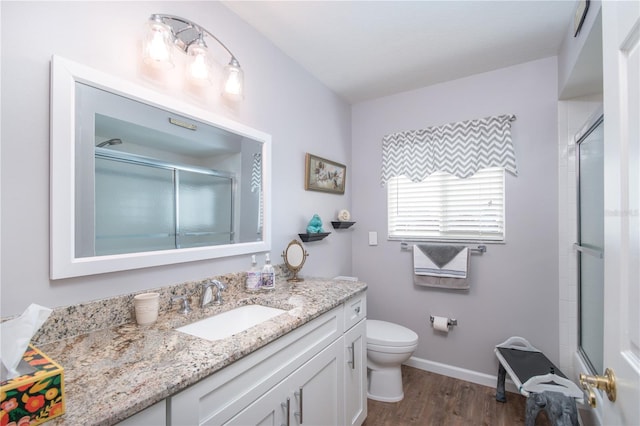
{"x":200,"y":69}
{"x":233,"y":80}
{"x":157,"y":45}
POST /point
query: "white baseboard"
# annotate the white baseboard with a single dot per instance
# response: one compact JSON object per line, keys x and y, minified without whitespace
{"x":460,"y":373}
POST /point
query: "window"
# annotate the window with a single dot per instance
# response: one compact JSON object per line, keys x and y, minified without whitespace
{"x":445,"y":207}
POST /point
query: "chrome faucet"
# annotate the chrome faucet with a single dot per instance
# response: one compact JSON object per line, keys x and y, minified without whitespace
{"x":208,"y":297}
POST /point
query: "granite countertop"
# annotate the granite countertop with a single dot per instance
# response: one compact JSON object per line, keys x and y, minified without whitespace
{"x":112,"y":373}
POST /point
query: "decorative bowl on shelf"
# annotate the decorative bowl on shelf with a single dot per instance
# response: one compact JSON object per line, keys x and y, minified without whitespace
{"x":344,"y":215}
{"x":313,"y":237}
{"x":341,"y":225}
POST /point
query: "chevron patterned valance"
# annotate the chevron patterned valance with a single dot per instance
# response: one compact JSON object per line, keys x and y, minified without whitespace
{"x":460,"y":149}
{"x":256,"y":172}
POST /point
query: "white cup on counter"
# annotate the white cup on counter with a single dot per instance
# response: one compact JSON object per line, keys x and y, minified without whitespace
{"x":146,"y":306}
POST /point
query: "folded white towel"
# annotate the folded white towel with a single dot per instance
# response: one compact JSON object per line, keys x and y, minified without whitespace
{"x":455,"y":268}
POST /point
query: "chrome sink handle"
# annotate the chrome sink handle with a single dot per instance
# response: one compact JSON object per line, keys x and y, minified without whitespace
{"x":220,"y":286}
{"x":184,"y":308}
{"x":207,"y":296}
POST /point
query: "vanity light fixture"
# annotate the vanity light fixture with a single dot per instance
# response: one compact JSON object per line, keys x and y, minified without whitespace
{"x":167,"y":31}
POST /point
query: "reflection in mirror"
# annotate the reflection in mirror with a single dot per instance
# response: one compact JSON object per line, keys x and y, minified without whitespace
{"x":153,"y":180}
{"x":294,"y":258}
{"x":165,"y":182}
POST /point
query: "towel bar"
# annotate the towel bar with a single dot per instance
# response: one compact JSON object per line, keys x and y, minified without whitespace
{"x":479,"y":250}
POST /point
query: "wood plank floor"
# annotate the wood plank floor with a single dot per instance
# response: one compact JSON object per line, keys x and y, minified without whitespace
{"x":433,"y":399}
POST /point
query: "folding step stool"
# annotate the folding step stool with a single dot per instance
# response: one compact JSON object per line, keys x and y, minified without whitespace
{"x":544,"y":385}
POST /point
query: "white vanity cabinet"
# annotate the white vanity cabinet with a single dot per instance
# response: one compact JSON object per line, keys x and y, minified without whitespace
{"x":355,"y":365}
{"x":317,"y":368}
{"x":312,"y":395}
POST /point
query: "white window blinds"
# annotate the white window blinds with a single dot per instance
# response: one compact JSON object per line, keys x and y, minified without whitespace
{"x":445,"y":207}
{"x":446,"y":183}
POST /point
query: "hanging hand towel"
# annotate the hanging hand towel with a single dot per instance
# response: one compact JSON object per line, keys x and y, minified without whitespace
{"x":440,"y":261}
{"x":441,"y":266}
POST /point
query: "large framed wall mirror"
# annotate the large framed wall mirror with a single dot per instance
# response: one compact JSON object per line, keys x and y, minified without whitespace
{"x":139,"y":179}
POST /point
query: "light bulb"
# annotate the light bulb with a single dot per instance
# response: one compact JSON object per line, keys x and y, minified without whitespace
{"x":233,"y":80}
{"x":200,"y":67}
{"x":157,"y":46}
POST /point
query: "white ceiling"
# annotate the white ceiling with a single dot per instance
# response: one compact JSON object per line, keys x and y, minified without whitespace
{"x":367,"y":49}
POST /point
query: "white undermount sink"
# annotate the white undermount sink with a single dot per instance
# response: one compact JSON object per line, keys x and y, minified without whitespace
{"x":230,"y":322}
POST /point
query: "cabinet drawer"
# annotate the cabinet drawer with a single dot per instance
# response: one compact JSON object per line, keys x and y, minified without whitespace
{"x":355,"y":309}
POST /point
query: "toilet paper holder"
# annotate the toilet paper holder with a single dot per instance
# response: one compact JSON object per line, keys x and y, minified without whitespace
{"x":450,"y":321}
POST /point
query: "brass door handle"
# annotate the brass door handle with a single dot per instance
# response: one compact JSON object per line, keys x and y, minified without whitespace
{"x":606,"y":383}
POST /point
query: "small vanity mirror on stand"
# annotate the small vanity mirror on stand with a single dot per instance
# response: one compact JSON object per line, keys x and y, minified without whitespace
{"x":294,"y":257}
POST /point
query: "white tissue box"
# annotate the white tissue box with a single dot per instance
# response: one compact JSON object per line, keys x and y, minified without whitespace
{"x":36,"y":397}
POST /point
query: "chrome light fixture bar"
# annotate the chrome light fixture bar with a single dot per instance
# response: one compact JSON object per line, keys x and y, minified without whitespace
{"x":167,"y":31}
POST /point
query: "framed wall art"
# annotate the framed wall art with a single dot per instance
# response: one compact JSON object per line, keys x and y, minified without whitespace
{"x":324,"y":175}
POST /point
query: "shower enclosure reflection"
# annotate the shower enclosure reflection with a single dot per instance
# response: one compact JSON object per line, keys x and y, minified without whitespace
{"x":144,"y":205}
{"x":165,"y":182}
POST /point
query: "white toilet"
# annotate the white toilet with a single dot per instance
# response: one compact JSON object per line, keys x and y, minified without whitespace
{"x":388,"y":346}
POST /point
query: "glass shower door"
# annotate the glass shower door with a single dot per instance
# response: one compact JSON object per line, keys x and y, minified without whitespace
{"x":134,"y":208}
{"x":144,"y":205}
{"x":591,"y":245}
{"x":205,"y":209}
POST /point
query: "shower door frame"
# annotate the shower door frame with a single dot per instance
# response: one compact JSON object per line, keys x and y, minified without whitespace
{"x":587,"y":129}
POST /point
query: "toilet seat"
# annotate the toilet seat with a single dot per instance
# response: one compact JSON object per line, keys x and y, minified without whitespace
{"x":391,"y":349}
{"x":387,"y":334}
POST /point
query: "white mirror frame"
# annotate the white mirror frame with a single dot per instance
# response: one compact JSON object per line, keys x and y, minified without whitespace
{"x":64,"y":264}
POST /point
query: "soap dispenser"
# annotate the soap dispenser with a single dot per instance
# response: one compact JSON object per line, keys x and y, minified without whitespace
{"x":254,"y":276}
{"x":268,"y":274}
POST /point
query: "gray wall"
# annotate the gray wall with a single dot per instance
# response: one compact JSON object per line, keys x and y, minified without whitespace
{"x":281,"y":99}
{"x":514,"y":286}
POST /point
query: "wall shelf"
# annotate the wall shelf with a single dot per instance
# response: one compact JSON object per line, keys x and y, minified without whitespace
{"x":313,"y":237}
{"x":341,"y":225}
